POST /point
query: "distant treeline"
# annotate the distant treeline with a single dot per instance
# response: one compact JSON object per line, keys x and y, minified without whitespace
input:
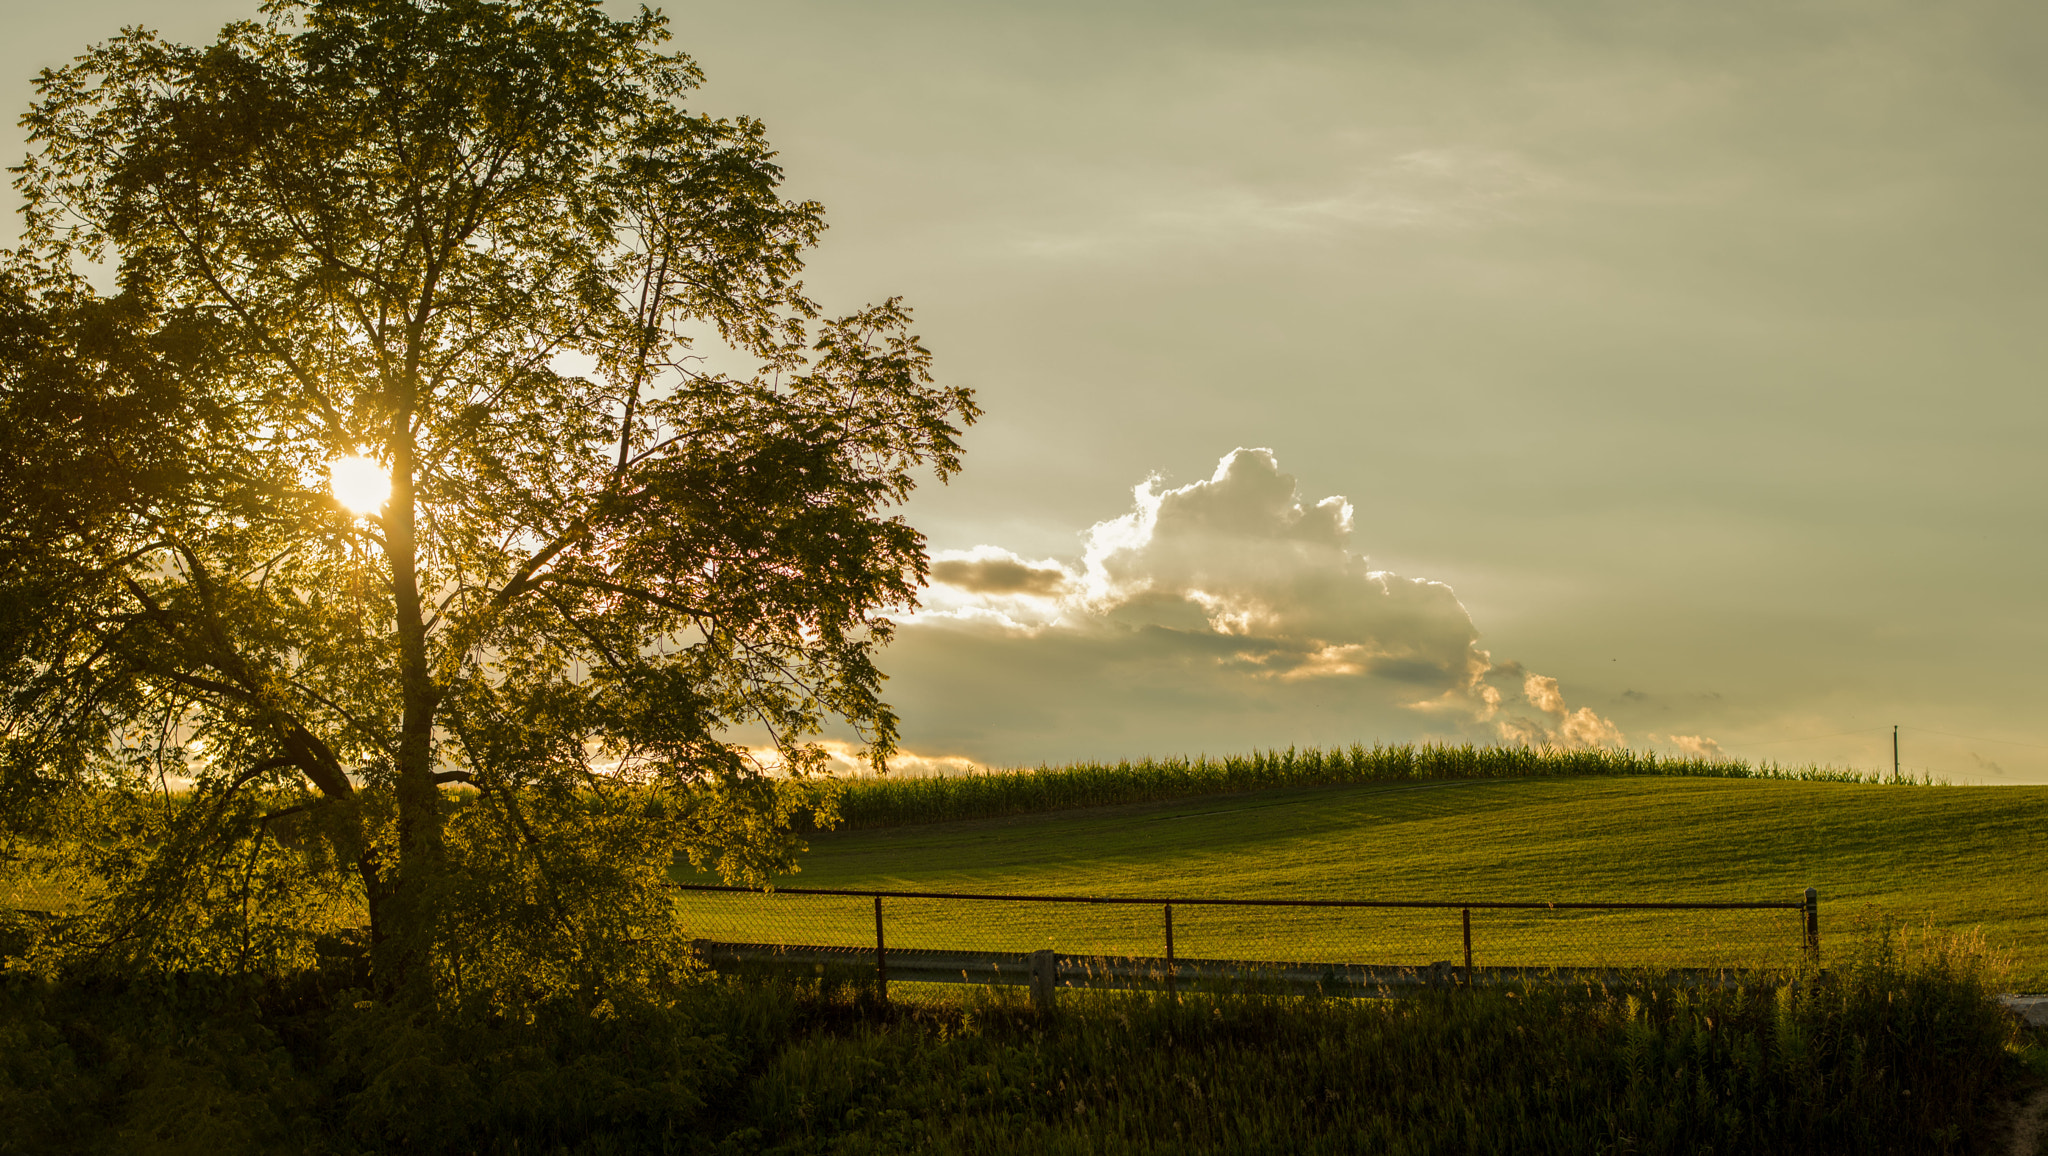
{"x":888,"y":802}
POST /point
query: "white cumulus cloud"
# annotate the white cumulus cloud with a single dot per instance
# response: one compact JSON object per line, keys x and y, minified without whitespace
{"x":1555,"y":724}
{"x":1229,"y":611}
{"x":1693,"y":746}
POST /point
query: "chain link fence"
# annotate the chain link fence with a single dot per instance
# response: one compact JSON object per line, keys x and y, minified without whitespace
{"x":1476,"y":938}
{"x":40,"y":894}
{"x":851,"y":925}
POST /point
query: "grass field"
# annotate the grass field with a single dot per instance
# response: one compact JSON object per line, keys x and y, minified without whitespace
{"x":1959,"y":856}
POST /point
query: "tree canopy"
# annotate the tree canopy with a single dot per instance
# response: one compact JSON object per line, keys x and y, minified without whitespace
{"x":487,"y":245}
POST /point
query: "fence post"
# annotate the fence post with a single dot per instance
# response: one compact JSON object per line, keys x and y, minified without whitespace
{"x":881,"y":955}
{"x":1812,"y":905}
{"x":1044,"y":977}
{"x":1169,"y":947}
{"x":1468,"y":946}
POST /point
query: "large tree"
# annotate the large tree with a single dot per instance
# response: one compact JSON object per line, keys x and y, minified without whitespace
{"x":486,"y":245}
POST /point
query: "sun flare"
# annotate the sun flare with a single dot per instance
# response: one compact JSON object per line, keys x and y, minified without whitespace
{"x":359,"y":483}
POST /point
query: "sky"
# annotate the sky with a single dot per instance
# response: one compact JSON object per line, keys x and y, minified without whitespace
{"x":1639,"y":373}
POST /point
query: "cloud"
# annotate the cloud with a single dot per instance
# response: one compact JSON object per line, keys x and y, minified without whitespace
{"x":1557,"y":725}
{"x":988,"y":571}
{"x":1694,"y":746}
{"x":1441,"y":187}
{"x":1433,"y":188}
{"x":991,"y":587}
{"x":1240,"y":557}
{"x":1228,"y":610}
{"x":1543,"y":694}
{"x":845,"y":760}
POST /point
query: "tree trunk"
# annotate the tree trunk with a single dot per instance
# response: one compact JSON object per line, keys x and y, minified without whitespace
{"x":377,"y":897}
{"x":404,"y":929}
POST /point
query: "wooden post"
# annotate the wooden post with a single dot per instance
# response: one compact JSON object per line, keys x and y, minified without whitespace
{"x":881,"y":955}
{"x":1044,"y":979}
{"x":1812,"y":937}
{"x":1169,"y":947}
{"x":1468,"y":945}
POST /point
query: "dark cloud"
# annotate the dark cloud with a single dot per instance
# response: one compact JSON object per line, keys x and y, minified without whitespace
{"x":1000,"y":576}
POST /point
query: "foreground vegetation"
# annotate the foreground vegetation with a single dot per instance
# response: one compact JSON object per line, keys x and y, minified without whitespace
{"x":1897,"y":1047}
{"x":891,"y":802}
{"x":1899,"y":1050}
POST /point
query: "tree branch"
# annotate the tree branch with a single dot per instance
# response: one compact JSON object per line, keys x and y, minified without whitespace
{"x":647,"y":596}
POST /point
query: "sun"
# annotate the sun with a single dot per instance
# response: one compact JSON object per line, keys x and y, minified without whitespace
{"x":359,"y":483}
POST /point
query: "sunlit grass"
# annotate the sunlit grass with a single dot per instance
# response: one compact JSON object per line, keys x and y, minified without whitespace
{"x":1961,"y":856}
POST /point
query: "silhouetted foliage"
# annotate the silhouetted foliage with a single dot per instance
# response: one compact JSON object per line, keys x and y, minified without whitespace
{"x":1893,"y":1051}
{"x":484,"y":244}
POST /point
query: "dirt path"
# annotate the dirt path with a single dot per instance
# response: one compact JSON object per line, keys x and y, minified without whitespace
{"x":2030,"y":1125}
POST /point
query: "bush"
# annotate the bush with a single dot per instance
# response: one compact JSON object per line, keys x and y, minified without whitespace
{"x":1898,"y":1049}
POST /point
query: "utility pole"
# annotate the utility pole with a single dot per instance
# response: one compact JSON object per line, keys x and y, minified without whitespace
{"x":1895,"y":752}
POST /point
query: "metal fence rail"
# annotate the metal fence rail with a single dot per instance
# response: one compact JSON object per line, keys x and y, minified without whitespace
{"x":1336,"y":945}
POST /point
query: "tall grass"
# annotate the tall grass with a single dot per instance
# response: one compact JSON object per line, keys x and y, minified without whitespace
{"x":888,"y":802}
{"x":1897,"y":1050}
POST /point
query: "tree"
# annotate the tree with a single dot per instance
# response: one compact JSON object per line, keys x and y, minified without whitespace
{"x":484,"y":244}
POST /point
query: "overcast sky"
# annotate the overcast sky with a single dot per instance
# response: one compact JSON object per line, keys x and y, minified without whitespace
{"x":1676,"y":368}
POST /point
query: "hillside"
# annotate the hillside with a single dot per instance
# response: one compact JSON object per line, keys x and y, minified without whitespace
{"x":1961,"y":856}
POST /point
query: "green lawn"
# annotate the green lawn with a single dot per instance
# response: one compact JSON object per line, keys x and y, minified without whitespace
{"x":1962,"y":856}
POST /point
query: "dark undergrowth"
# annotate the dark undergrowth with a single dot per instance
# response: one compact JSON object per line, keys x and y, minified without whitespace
{"x":1902,"y":1051}
{"x":888,"y":802}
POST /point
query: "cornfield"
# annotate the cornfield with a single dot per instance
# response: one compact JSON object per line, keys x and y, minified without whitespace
{"x":887,"y":802}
